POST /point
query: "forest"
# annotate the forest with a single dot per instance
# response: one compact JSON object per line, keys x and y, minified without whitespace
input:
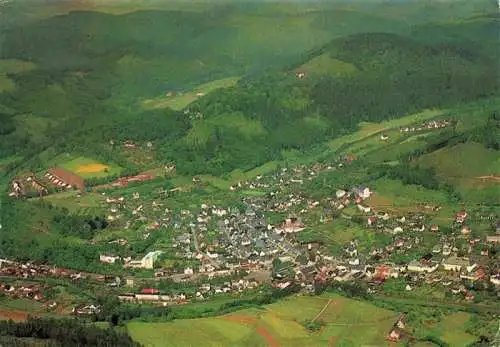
{"x":62,"y":332}
{"x":241,"y":127}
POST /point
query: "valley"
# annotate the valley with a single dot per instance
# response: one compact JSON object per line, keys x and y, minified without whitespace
{"x":332,"y":182}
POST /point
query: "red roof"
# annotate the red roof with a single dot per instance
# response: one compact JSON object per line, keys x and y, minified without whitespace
{"x":68,"y":177}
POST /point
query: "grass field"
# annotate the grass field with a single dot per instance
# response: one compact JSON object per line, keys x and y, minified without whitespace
{"x":370,"y":129}
{"x":392,"y":195}
{"x":279,"y":324}
{"x":181,"y":100}
{"x":12,"y":66}
{"x":454,"y":163}
{"x":89,"y":202}
{"x":89,"y":168}
{"x":326,"y":65}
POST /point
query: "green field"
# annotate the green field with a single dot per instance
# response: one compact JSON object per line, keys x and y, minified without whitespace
{"x":89,"y":168}
{"x":12,"y":66}
{"x":279,"y":324}
{"x":325,"y":64}
{"x":453,"y":163}
{"x":89,"y":202}
{"x":182,"y":99}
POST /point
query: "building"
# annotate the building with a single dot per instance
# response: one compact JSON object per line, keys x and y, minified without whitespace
{"x":455,"y":263}
{"x":415,"y":266}
{"x":493,"y":238}
{"x":147,"y":262}
{"x":108,"y":259}
{"x":61,"y":177}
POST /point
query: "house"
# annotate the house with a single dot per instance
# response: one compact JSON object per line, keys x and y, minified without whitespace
{"x":372,"y":220}
{"x":495,"y":279}
{"x":455,"y":263}
{"x":461,"y":217}
{"x":150,"y":291}
{"x":397,"y":230}
{"x":446,"y":250}
{"x":465,"y":231}
{"x":60,"y":177}
{"x":434,"y":228}
{"x":108,"y":259}
{"x":86,"y":310}
{"x":146,"y":263}
{"x":493,"y":238}
{"x":384,"y":137}
{"x":290,"y":225}
{"x":300,"y":74}
{"x":362,"y":192}
{"x":415,"y":266}
{"x":340,"y":193}
{"x":473,"y":273}
{"x":395,"y":334}
{"x":365,"y":209}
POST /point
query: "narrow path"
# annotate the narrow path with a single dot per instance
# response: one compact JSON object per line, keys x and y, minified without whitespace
{"x":322,"y":310}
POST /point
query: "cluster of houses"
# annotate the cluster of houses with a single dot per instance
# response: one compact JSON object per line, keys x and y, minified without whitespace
{"x":429,"y":125}
{"x":26,"y":185}
{"x":225,"y":240}
{"x":206,"y":290}
{"x":62,"y":178}
{"x":30,"y":185}
{"x":286,"y":177}
{"x":32,"y":292}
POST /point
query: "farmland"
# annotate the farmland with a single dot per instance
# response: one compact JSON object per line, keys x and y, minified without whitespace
{"x":279,"y":324}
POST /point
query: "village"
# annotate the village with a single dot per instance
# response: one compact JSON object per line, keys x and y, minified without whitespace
{"x":260,"y":237}
{"x":240,"y":246}
{"x":226,"y":242}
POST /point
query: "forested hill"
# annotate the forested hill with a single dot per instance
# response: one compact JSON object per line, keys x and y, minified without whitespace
{"x":360,"y":77}
{"x":364,"y":77}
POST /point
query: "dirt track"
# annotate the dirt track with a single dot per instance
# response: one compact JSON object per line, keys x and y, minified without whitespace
{"x":262,"y":331}
{"x":269,"y":338}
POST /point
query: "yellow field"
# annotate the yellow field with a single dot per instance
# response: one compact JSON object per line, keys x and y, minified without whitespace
{"x":91,"y":168}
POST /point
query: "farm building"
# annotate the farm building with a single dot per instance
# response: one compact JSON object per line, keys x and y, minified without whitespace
{"x":62,"y":177}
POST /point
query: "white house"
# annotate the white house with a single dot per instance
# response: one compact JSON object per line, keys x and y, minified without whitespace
{"x":108,"y":259}
{"x":340,"y":193}
{"x":415,"y":266}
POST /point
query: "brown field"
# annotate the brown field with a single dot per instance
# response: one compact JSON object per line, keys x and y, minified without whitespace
{"x":17,"y":316}
{"x":91,"y":168}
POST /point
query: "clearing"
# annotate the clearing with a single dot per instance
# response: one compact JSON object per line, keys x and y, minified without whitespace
{"x":12,"y":66}
{"x":177,"y":101}
{"x":325,"y":64}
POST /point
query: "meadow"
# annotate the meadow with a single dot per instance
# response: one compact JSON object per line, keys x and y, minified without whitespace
{"x":279,"y":324}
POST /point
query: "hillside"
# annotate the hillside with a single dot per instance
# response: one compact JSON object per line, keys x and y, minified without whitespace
{"x":242,"y":126}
